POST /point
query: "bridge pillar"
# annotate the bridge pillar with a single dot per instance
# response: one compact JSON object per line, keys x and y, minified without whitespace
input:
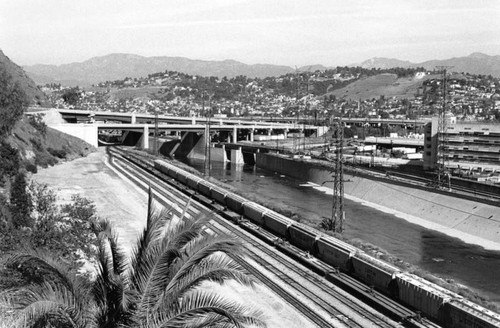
{"x":145,"y":137}
{"x":252,"y":131}
{"x":133,"y":119}
{"x":285,"y":133}
{"x":193,"y":120}
{"x":237,"y":156}
{"x":235,"y":135}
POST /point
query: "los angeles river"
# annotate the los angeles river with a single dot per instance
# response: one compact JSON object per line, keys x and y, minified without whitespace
{"x":434,"y":252}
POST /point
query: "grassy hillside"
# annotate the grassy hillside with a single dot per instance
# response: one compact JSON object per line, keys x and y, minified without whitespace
{"x":35,"y":95}
{"x":388,"y":85}
{"x":47,"y":148}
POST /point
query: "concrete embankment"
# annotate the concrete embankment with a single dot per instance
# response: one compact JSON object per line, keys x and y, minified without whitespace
{"x":469,"y":220}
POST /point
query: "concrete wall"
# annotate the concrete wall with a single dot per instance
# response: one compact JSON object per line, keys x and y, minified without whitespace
{"x":464,"y":215}
{"x":86,"y":132}
{"x":188,"y":141}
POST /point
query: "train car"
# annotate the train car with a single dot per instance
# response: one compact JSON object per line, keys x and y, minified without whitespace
{"x":335,"y":253}
{"x":302,"y":238}
{"x":205,"y":187}
{"x":277,"y":224}
{"x":254,"y":212}
{"x":172,"y":171}
{"x":182,"y":176}
{"x":166,"y":168}
{"x":235,"y":202}
{"x":219,"y":194}
{"x":375,"y":273}
{"x":423,"y":295}
{"x":461,"y":313}
{"x":193,"y":180}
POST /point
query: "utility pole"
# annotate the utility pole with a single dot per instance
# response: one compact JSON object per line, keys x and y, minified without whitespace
{"x":442,"y":146}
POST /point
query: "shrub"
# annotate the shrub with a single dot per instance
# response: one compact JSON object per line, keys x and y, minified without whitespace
{"x":30,"y":167}
{"x":37,"y":122}
{"x":9,"y":161}
{"x":20,"y":202}
{"x":37,"y":144}
{"x":60,"y":153}
{"x":13,"y":100}
{"x":44,"y":159}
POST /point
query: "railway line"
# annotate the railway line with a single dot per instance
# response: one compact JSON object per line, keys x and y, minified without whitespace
{"x":322,"y":301}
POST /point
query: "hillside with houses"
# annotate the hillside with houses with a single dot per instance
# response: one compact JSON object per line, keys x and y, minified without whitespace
{"x":401,"y":93}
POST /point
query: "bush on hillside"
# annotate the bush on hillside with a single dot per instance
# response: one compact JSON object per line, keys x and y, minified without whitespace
{"x":37,"y":122}
{"x":44,"y":159}
{"x":30,"y":167}
{"x":64,"y":230}
{"x":20,"y":203}
{"x":9,"y":161}
{"x":60,"y":153}
{"x":13,"y":100}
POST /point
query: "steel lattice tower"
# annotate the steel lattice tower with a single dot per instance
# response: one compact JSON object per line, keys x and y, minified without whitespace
{"x":337,"y":221}
{"x":442,"y":146}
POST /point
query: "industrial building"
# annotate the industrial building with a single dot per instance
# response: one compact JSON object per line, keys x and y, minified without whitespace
{"x":469,"y":146}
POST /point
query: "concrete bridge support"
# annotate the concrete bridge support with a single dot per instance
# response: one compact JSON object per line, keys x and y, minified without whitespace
{"x":145,"y":138}
{"x":235,"y":135}
{"x":218,"y":154}
{"x":248,"y":158}
{"x":237,"y":156}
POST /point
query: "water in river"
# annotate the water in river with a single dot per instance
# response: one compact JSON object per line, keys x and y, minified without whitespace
{"x":432,"y":251}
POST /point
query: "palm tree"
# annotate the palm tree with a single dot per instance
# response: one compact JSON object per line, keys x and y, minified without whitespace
{"x":157,"y":286}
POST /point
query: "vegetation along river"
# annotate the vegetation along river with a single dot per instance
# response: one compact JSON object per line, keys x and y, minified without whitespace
{"x":444,"y":256}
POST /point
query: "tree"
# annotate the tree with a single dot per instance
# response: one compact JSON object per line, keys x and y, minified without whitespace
{"x":13,"y":101}
{"x":71,"y":96}
{"x":20,"y":202}
{"x":9,"y":161}
{"x":157,"y":287}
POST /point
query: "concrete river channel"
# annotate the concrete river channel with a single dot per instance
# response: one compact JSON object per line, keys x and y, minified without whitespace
{"x":434,"y":252}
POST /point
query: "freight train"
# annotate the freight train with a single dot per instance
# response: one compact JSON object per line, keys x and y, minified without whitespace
{"x":447,"y":308}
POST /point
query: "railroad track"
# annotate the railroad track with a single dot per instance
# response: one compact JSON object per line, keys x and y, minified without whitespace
{"x":335,"y":306}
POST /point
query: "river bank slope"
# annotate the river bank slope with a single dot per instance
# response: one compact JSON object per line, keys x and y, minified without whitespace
{"x":472,"y":221}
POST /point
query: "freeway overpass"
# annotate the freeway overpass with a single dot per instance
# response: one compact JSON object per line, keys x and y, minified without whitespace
{"x":87,"y":124}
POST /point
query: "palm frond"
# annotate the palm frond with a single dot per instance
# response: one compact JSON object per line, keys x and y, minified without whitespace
{"x":201,"y":309}
{"x":47,"y":268}
{"x":216,"y":268}
{"x":157,"y":218}
{"x":203,"y":248}
{"x":49,"y":302}
{"x":109,"y":248}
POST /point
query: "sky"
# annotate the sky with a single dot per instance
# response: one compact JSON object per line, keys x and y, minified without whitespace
{"x":281,"y":32}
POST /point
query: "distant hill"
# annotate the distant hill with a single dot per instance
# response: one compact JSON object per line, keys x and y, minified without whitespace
{"x":383,"y":63}
{"x":35,"y":95}
{"x":388,"y":85}
{"x":118,"y":66}
{"x":476,"y":63}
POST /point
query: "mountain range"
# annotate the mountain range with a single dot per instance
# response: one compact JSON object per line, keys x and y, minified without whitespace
{"x":475,"y":63}
{"x":119,"y":66}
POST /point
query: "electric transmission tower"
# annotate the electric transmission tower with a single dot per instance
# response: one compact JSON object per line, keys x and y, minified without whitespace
{"x":336,"y":222}
{"x":442,"y":146}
